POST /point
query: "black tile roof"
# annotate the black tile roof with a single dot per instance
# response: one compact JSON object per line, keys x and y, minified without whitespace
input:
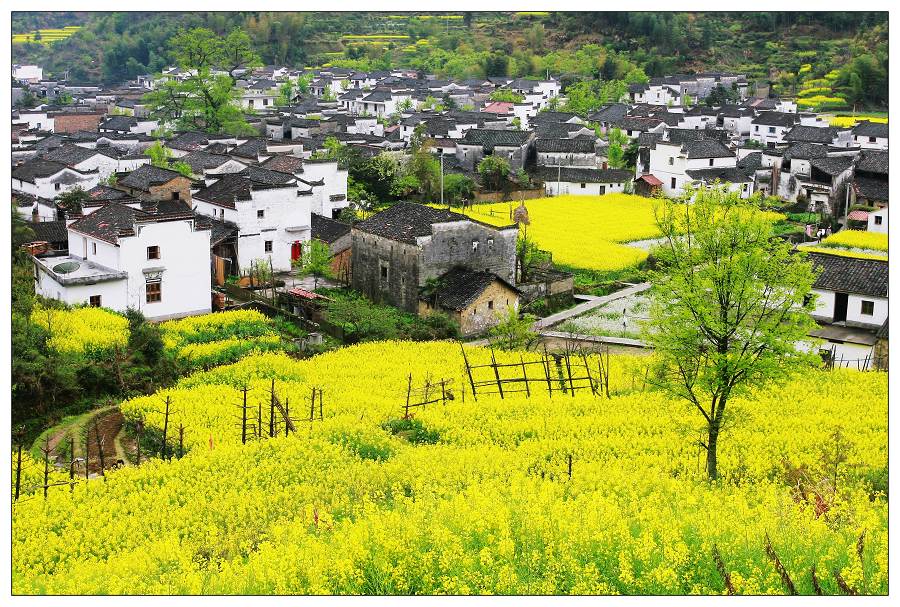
{"x":109,"y":222}
{"x":71,"y":154}
{"x":557,"y":130}
{"x":119,"y":123}
{"x":37,"y":167}
{"x":873,"y":161}
{"x":583,"y":175}
{"x":105,"y":193}
{"x":706,"y":148}
{"x":776,"y":119}
{"x":833,"y":165}
{"x":609,"y":113}
{"x":459,"y":287}
{"x":201,"y":161}
{"x":189,"y":141}
{"x":251,"y":148}
{"x":406,"y":221}
{"x":548,"y":116}
{"x":851,"y":275}
{"x":871,"y":188}
{"x":633,"y":123}
{"x":750,"y":163}
{"x":724,"y":174}
{"x":490,"y":138}
{"x":870,"y":129}
{"x":220,"y":230}
{"x":148,"y":175}
{"x":284,"y":163}
{"x":50,"y":231}
{"x":577,"y":145}
{"x":811,"y":134}
{"x":328,"y":230}
{"x":805,"y":151}
{"x":265,"y":176}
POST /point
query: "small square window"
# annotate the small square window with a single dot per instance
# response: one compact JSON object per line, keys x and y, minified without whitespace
{"x":176,"y":195}
{"x":153,"y":252}
{"x":474,"y":245}
{"x":490,"y":241}
{"x":871,"y":140}
{"x":260,"y":214}
{"x":771,"y":129}
{"x":710,"y":162}
{"x":93,"y":248}
{"x":57,"y":186}
{"x":583,"y":185}
{"x":154,"y":291}
{"x":491,"y":304}
{"x":268,"y":246}
{"x":674,"y":182}
{"x":95,"y":301}
{"x":868,"y":308}
{"x":878,"y":220}
{"x":671,"y":160}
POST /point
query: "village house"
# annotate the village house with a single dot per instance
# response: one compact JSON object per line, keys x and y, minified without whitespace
{"x":336,"y":234}
{"x":474,"y":300}
{"x":870,"y":135}
{"x":870,"y":181}
{"x":396,"y":252}
{"x":584,"y":181}
{"x":120,"y":257}
{"x":150,"y":182}
{"x":851,"y":305}
{"x":270,"y":210}
{"x":770,"y":128}
{"x":48,"y":179}
{"x":514,"y":146}
{"x":677,"y":164}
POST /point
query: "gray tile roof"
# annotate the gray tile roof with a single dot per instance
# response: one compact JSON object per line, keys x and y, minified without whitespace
{"x":811,"y":134}
{"x":147,"y":175}
{"x":406,"y":221}
{"x":460,"y":287}
{"x":583,"y":175}
{"x":870,"y":129}
{"x":577,"y":145}
{"x":833,"y":165}
{"x":851,"y":275}
{"x":328,"y":230}
{"x":873,"y":161}
{"x":706,"y":148}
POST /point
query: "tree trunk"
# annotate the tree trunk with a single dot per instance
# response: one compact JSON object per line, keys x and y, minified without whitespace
{"x":711,"y":460}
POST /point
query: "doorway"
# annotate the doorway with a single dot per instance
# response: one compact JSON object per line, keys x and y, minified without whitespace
{"x":840,"y":307}
{"x":296,"y":250}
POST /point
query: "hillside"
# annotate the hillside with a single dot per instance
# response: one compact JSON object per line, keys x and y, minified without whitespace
{"x":778,"y":46}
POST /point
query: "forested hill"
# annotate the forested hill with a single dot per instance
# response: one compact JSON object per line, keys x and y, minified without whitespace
{"x":789,"y":49}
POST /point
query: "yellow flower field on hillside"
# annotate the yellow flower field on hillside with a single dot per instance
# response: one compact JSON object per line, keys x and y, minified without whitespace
{"x":475,"y":496}
{"x":857,"y":239}
{"x":82,"y":329}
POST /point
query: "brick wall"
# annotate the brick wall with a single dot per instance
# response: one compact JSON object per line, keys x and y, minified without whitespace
{"x":71,"y":123}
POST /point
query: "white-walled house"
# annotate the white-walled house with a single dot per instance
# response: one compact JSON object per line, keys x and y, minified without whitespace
{"x":677,"y":164}
{"x":104,"y":161}
{"x":122,"y":257}
{"x":271,"y":212}
{"x":582,"y":181}
{"x":851,"y":304}
{"x":870,"y":135}
{"x":878,"y":221}
{"x":334,"y":182}
{"x":770,"y":128}
{"x":48,"y":179}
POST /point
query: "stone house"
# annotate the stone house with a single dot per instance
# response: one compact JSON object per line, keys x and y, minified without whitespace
{"x":474,"y":300}
{"x":515,"y":146}
{"x":150,"y":182}
{"x":397,"y":251}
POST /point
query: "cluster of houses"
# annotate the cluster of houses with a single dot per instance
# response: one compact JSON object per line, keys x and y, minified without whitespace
{"x":156,"y":239}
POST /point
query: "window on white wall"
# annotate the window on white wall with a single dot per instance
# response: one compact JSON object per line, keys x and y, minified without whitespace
{"x":154,"y":291}
{"x":867,"y":308}
{"x":268,"y":246}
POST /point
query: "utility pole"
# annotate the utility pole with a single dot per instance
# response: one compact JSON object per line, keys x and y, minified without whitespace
{"x":442,"y":179}
{"x":558,"y":177}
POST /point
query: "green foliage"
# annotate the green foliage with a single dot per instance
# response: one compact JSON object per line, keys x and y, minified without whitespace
{"x":363,"y":320}
{"x":315,"y":262}
{"x":73,"y":199}
{"x":159,"y":154}
{"x":590,"y":95}
{"x":618,"y":141}
{"x":457,"y":187}
{"x":493,"y":171}
{"x":413,"y":430}
{"x":205,"y":100}
{"x":729,"y":304}
{"x":513,"y":332}
{"x":506,"y":95}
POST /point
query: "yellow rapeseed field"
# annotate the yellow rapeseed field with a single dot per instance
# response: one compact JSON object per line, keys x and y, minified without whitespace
{"x":583,"y":231}
{"x":857,"y":239}
{"x":82,"y":330}
{"x":475,"y":496}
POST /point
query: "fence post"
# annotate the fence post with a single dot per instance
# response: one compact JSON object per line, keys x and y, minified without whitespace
{"x":496,"y":374}
{"x":469,"y":371}
{"x":525,"y":376}
{"x":570,"y":466}
{"x":244,"y":419}
{"x":312,"y":405}
{"x":546,"y":361}
{"x":139,"y":430}
{"x":46,"y":451}
{"x":180,"y":441}
{"x":87,"y":453}
{"x":71,"y":464}
{"x":287,"y":414}
{"x":99,"y":448}
{"x":272,"y":407}
{"x":321,"y":416}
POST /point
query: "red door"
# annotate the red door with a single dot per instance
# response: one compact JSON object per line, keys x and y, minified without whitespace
{"x":296,"y":250}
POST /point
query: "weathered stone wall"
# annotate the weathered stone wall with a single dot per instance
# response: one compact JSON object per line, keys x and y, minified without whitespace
{"x":472,"y":245}
{"x":374,"y":256}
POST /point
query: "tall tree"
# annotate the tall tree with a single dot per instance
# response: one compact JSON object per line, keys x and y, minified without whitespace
{"x":729,"y":305}
{"x":203,"y":97}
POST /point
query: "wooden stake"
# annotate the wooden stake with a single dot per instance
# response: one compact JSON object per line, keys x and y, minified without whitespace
{"x":166,"y":430}
{"x":525,"y":376}
{"x":71,"y":464}
{"x":496,"y":373}
{"x":287,"y":414}
{"x":99,"y":448}
{"x":570,"y":466}
{"x":469,"y":371}
{"x":46,"y":451}
{"x":180,"y":441}
{"x":244,"y":419}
